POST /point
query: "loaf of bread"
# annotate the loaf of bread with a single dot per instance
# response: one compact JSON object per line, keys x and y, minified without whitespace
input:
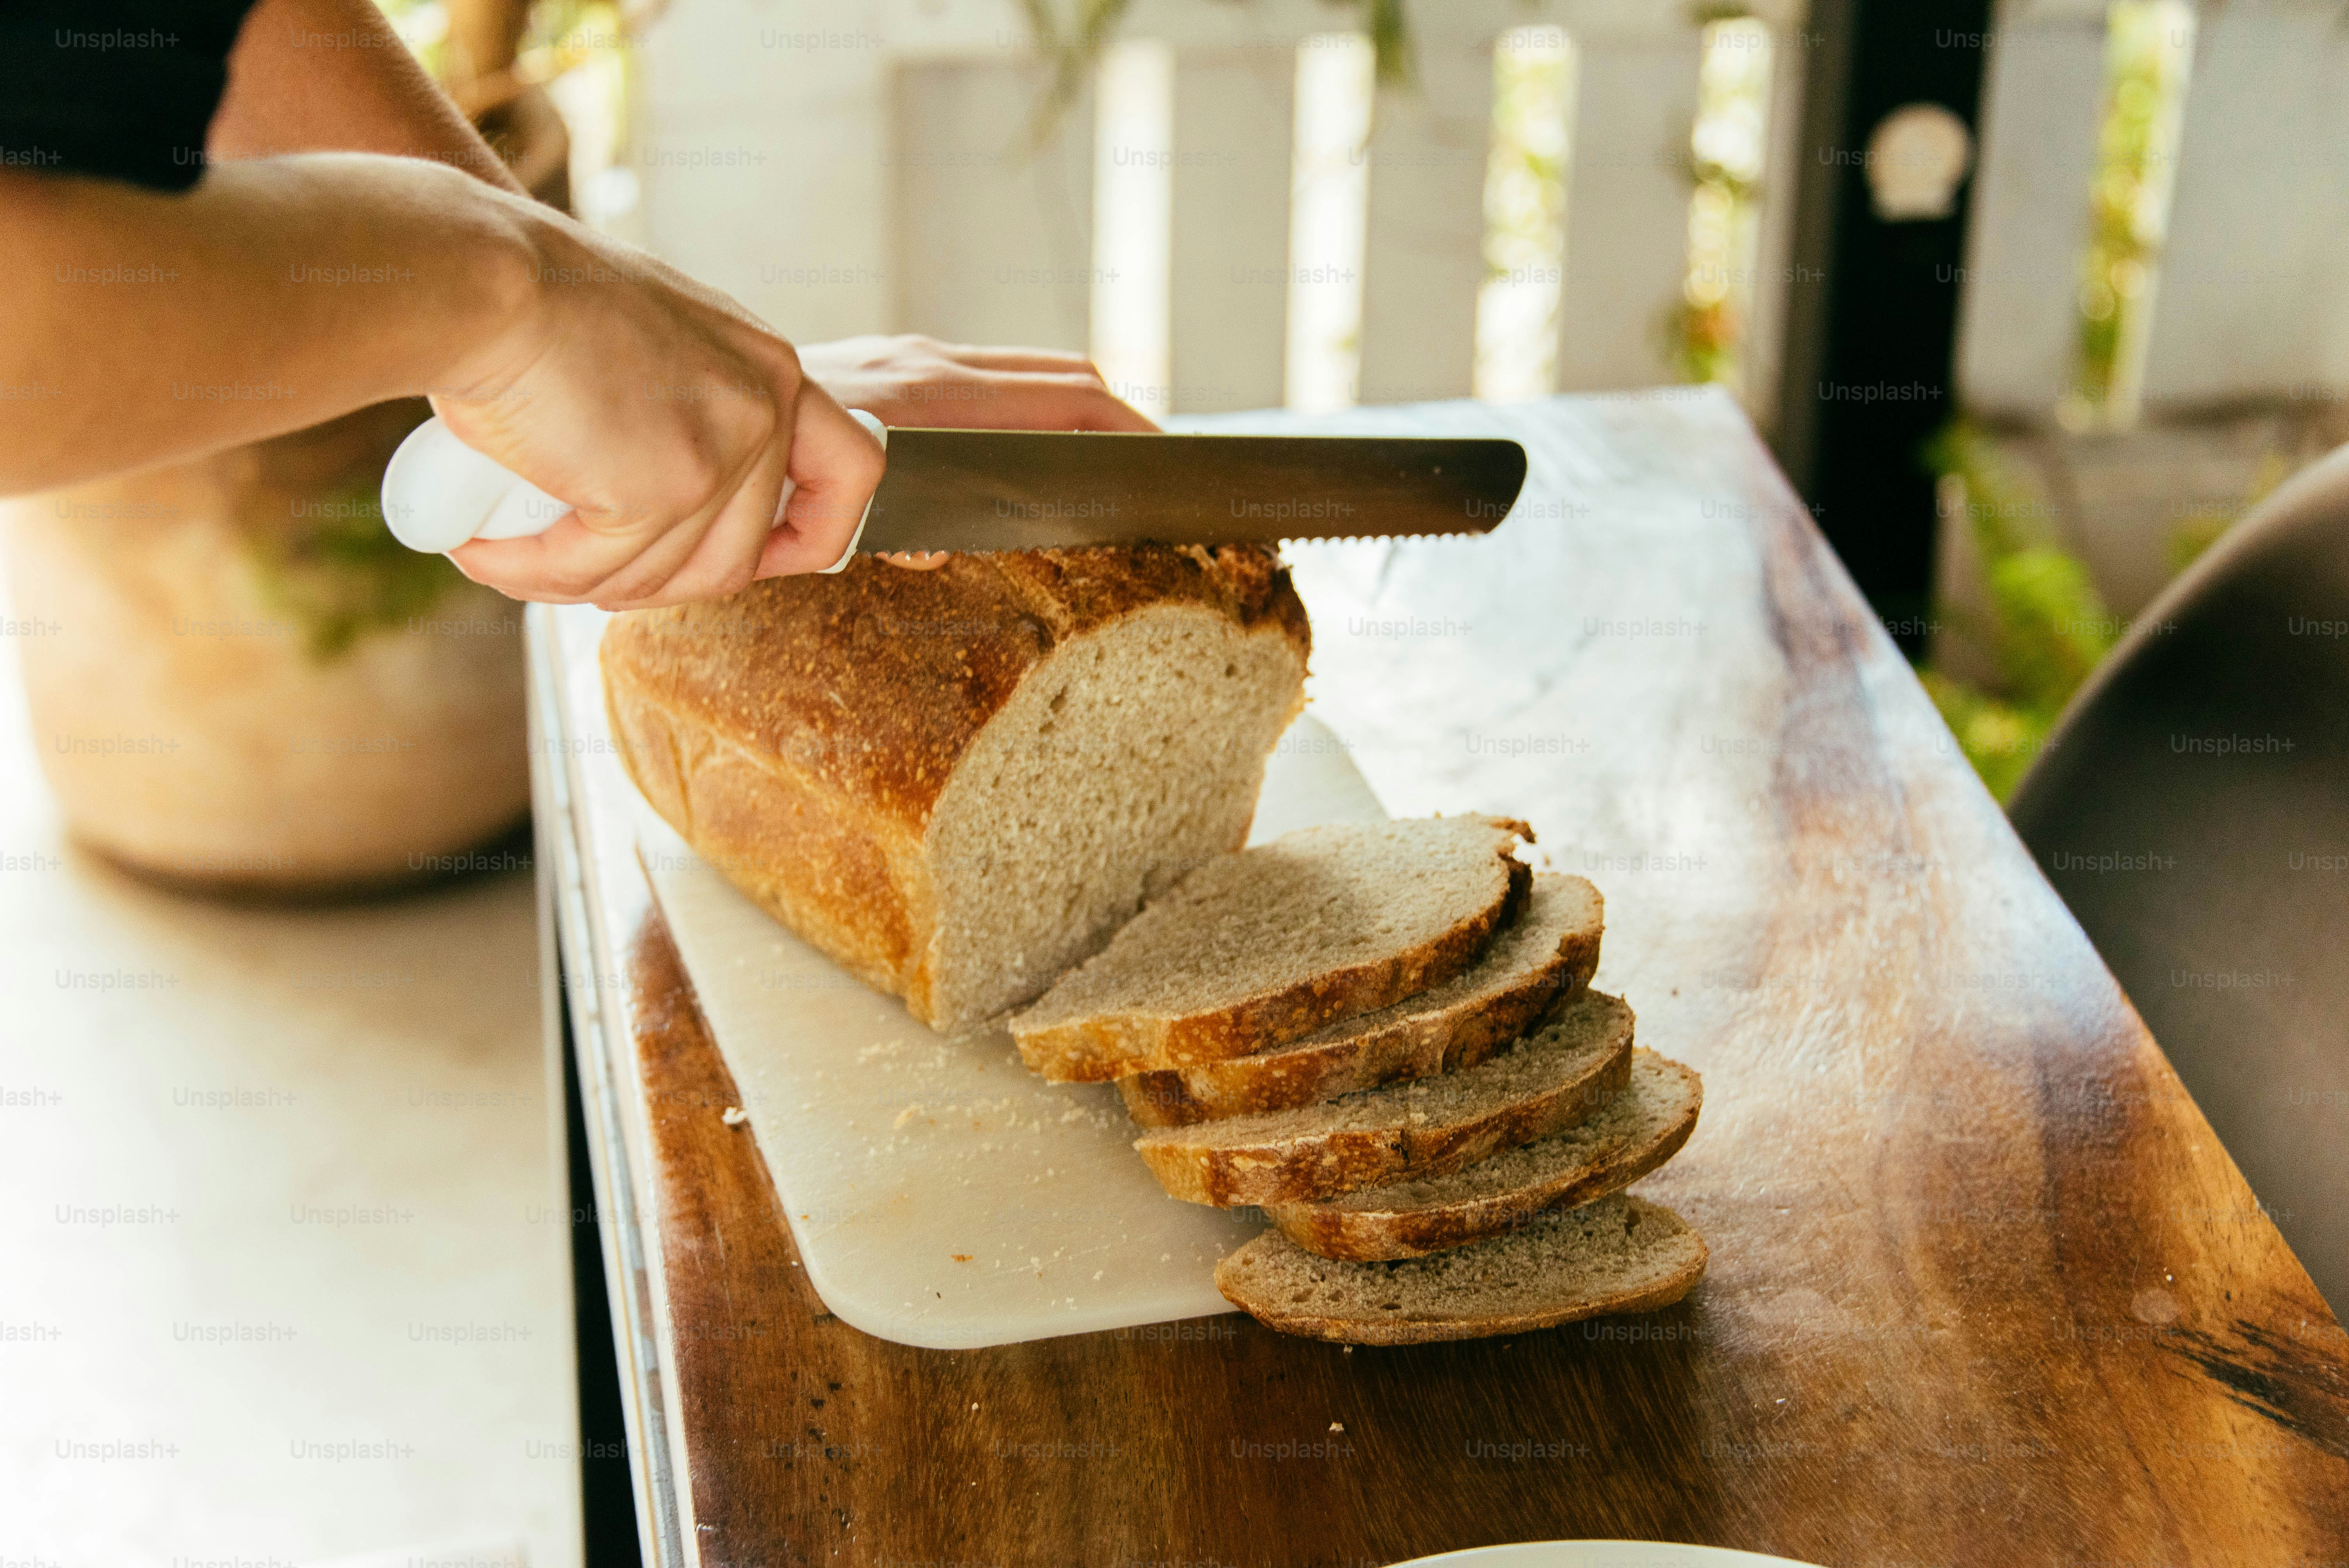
{"x":959,"y":783}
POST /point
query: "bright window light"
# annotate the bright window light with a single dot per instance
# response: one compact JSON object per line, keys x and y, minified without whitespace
{"x":1525,"y":214}
{"x":1727,"y":147}
{"x":2149,"y":51}
{"x":1329,"y":208}
{"x":1133,"y":213}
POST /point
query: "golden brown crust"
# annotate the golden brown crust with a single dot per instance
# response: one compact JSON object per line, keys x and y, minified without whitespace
{"x":799,"y":734}
{"x":1664,"y":1293}
{"x":1358,"y":1235}
{"x":1407,"y":1047}
{"x":1093,"y":1050}
{"x":1300,"y":1170}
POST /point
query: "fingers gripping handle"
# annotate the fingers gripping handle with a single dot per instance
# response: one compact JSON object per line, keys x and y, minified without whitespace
{"x":439,"y":493}
{"x":880,"y":432}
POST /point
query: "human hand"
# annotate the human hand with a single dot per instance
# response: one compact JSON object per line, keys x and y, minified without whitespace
{"x":910,"y":380}
{"x":914,"y":380}
{"x":668,"y":416}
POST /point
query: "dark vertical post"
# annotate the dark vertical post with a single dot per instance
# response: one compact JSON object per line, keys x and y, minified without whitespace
{"x":606,"y":1489}
{"x":1870,"y":357}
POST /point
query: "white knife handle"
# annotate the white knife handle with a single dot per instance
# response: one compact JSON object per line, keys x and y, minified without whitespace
{"x":439,"y":493}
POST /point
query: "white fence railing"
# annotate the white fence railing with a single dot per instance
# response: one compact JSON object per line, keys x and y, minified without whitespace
{"x":857,"y":175}
{"x":2248,"y":301}
{"x":850,"y":168}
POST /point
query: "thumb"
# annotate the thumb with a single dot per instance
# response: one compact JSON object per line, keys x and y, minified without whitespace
{"x":835,"y":465}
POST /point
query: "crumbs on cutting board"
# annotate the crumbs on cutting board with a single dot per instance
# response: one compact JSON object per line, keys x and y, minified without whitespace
{"x":1009,"y":1115}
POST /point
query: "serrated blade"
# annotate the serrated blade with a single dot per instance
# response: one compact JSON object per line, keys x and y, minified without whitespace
{"x":1042,"y":490}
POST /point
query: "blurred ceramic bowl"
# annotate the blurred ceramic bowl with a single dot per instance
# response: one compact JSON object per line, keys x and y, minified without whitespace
{"x":243,"y":686}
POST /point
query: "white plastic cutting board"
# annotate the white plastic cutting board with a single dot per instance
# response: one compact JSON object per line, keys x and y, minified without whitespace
{"x":940,"y":1193}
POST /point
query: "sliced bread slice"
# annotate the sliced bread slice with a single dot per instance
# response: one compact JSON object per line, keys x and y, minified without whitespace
{"x":1254,"y":949}
{"x":1620,"y":1254}
{"x":1543,"y":1084}
{"x":1545,"y":956}
{"x":1637,"y":1131}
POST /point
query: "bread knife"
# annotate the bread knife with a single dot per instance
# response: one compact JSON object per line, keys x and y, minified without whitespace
{"x":976,"y":491}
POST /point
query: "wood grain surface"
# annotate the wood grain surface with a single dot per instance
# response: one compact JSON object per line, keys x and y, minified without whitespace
{"x":1984,"y":1290}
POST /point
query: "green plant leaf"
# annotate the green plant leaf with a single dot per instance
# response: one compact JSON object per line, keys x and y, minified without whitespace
{"x":2050,"y":626}
{"x":2046,"y":626}
{"x":338,"y":572}
{"x":1999,"y":738}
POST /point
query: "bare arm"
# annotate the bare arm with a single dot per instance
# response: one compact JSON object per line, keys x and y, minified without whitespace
{"x":286,"y":290}
{"x":289,"y":290}
{"x":273,"y":295}
{"x":276,"y":293}
{"x":316,"y":76}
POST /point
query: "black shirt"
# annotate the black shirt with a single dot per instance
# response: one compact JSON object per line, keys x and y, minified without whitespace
{"x":120,"y":89}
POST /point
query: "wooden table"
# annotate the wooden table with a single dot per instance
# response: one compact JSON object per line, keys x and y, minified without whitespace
{"x":1984,"y":1288}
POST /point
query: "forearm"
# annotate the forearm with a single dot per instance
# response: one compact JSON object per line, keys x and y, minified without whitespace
{"x":136,"y":329}
{"x":315,"y":76}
